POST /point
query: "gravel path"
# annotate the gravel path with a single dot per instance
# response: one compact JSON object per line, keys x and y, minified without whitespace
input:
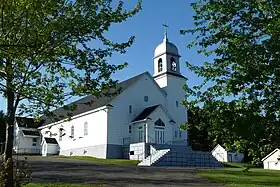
{"x":51,"y":169}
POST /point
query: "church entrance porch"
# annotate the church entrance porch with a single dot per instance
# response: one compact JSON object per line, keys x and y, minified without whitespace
{"x":149,"y":132}
{"x":141,"y":132}
{"x":153,"y":125}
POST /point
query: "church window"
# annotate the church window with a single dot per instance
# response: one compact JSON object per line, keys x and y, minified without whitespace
{"x":129,"y":128}
{"x":173,"y":64}
{"x":180,"y":134}
{"x":60,"y":134}
{"x":130,"y":109}
{"x":176,"y":134}
{"x":159,"y":122}
{"x":85,"y":128}
{"x":177,"y":104}
{"x":160,"y":65}
{"x":146,"y":98}
{"x":34,"y":141}
{"x":72,"y":131}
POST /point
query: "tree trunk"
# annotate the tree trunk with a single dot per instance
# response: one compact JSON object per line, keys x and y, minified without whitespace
{"x":8,"y":153}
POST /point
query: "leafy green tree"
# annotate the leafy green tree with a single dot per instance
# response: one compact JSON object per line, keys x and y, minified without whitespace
{"x":243,"y":97}
{"x":2,"y":130}
{"x":48,"y":55}
{"x":198,"y":130}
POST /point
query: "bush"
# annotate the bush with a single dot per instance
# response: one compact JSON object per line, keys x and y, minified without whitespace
{"x":22,"y":173}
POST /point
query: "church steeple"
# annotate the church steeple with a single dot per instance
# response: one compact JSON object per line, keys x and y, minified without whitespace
{"x":168,"y":77}
{"x":165,"y":39}
{"x":166,"y":57}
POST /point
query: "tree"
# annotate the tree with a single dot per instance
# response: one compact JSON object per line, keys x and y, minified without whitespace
{"x":2,"y":129}
{"x":198,"y":130}
{"x":243,"y":97}
{"x":47,"y":55}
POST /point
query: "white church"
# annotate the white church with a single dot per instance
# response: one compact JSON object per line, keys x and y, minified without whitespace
{"x":142,"y":122}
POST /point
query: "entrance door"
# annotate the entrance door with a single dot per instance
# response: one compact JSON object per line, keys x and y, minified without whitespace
{"x":159,"y":136}
{"x":141,"y":136}
{"x":161,"y":140}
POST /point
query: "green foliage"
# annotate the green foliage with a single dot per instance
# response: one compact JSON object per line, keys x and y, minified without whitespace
{"x":54,"y":50}
{"x":197,"y":127}
{"x":240,"y":95}
{"x":22,"y":173}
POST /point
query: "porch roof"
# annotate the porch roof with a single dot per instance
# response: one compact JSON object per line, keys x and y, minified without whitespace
{"x":145,"y":113}
{"x":51,"y":141}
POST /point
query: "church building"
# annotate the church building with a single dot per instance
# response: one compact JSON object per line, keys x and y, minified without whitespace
{"x":142,"y":122}
{"x":147,"y":110}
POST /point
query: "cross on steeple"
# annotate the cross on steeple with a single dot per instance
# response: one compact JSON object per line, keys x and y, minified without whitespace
{"x":165,"y":31}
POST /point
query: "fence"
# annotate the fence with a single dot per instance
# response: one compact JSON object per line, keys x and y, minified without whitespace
{"x":28,"y":151}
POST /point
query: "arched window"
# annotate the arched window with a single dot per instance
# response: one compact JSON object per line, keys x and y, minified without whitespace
{"x":85,"y":128}
{"x":72,"y":131}
{"x":159,"y":65}
{"x":60,"y":133}
{"x":159,"y":122}
{"x":146,"y":98}
{"x":173,"y":64}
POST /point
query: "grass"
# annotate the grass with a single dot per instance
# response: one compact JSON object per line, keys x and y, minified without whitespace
{"x":235,"y":177}
{"x":237,"y":165}
{"x":103,"y":161}
{"x":62,"y":185}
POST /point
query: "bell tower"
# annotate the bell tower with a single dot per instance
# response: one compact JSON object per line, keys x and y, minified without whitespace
{"x":166,"y":59}
{"x":168,"y":76}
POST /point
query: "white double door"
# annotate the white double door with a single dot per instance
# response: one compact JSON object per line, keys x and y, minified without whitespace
{"x":159,"y":136}
{"x":141,"y":136}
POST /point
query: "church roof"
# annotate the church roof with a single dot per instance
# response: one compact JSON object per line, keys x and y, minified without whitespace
{"x":26,"y":122}
{"x":145,"y":113}
{"x":89,"y":102}
{"x":30,"y":133}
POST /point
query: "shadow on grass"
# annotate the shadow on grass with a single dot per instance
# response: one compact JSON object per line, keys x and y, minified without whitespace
{"x":236,"y":177}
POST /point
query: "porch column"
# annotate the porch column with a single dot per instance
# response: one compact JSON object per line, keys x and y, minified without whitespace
{"x":146,"y":132}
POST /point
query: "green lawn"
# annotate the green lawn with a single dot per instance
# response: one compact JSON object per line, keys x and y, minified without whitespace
{"x":103,"y":161}
{"x":63,"y":185}
{"x":235,"y":177}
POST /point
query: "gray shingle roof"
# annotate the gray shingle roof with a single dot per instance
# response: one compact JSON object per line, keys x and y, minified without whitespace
{"x":51,"y":140}
{"x":26,"y":122}
{"x":31,"y":133}
{"x":89,"y":102}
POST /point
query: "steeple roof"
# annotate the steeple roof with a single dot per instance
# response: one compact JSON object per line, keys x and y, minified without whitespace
{"x":166,"y":47}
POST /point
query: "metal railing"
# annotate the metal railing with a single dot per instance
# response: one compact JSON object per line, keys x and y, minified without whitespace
{"x":128,"y":140}
{"x":27,"y":151}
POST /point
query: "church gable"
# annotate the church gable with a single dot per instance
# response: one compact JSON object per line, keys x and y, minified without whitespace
{"x":142,"y":84}
{"x":143,"y":89}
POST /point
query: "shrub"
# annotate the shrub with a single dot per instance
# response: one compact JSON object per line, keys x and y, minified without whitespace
{"x":22,"y":173}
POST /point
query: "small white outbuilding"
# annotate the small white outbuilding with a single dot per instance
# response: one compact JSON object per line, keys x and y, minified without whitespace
{"x":272,"y":160}
{"x":50,"y":147}
{"x":222,"y":155}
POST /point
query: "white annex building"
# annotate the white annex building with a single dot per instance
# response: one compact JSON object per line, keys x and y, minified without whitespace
{"x":26,"y":136}
{"x":223,"y":155}
{"x":272,"y":160}
{"x":141,"y":122}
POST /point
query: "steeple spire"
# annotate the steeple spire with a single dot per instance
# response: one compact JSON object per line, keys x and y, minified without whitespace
{"x":165,"y":39}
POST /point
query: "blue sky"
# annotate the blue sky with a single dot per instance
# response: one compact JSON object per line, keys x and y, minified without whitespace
{"x":148,"y":29}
